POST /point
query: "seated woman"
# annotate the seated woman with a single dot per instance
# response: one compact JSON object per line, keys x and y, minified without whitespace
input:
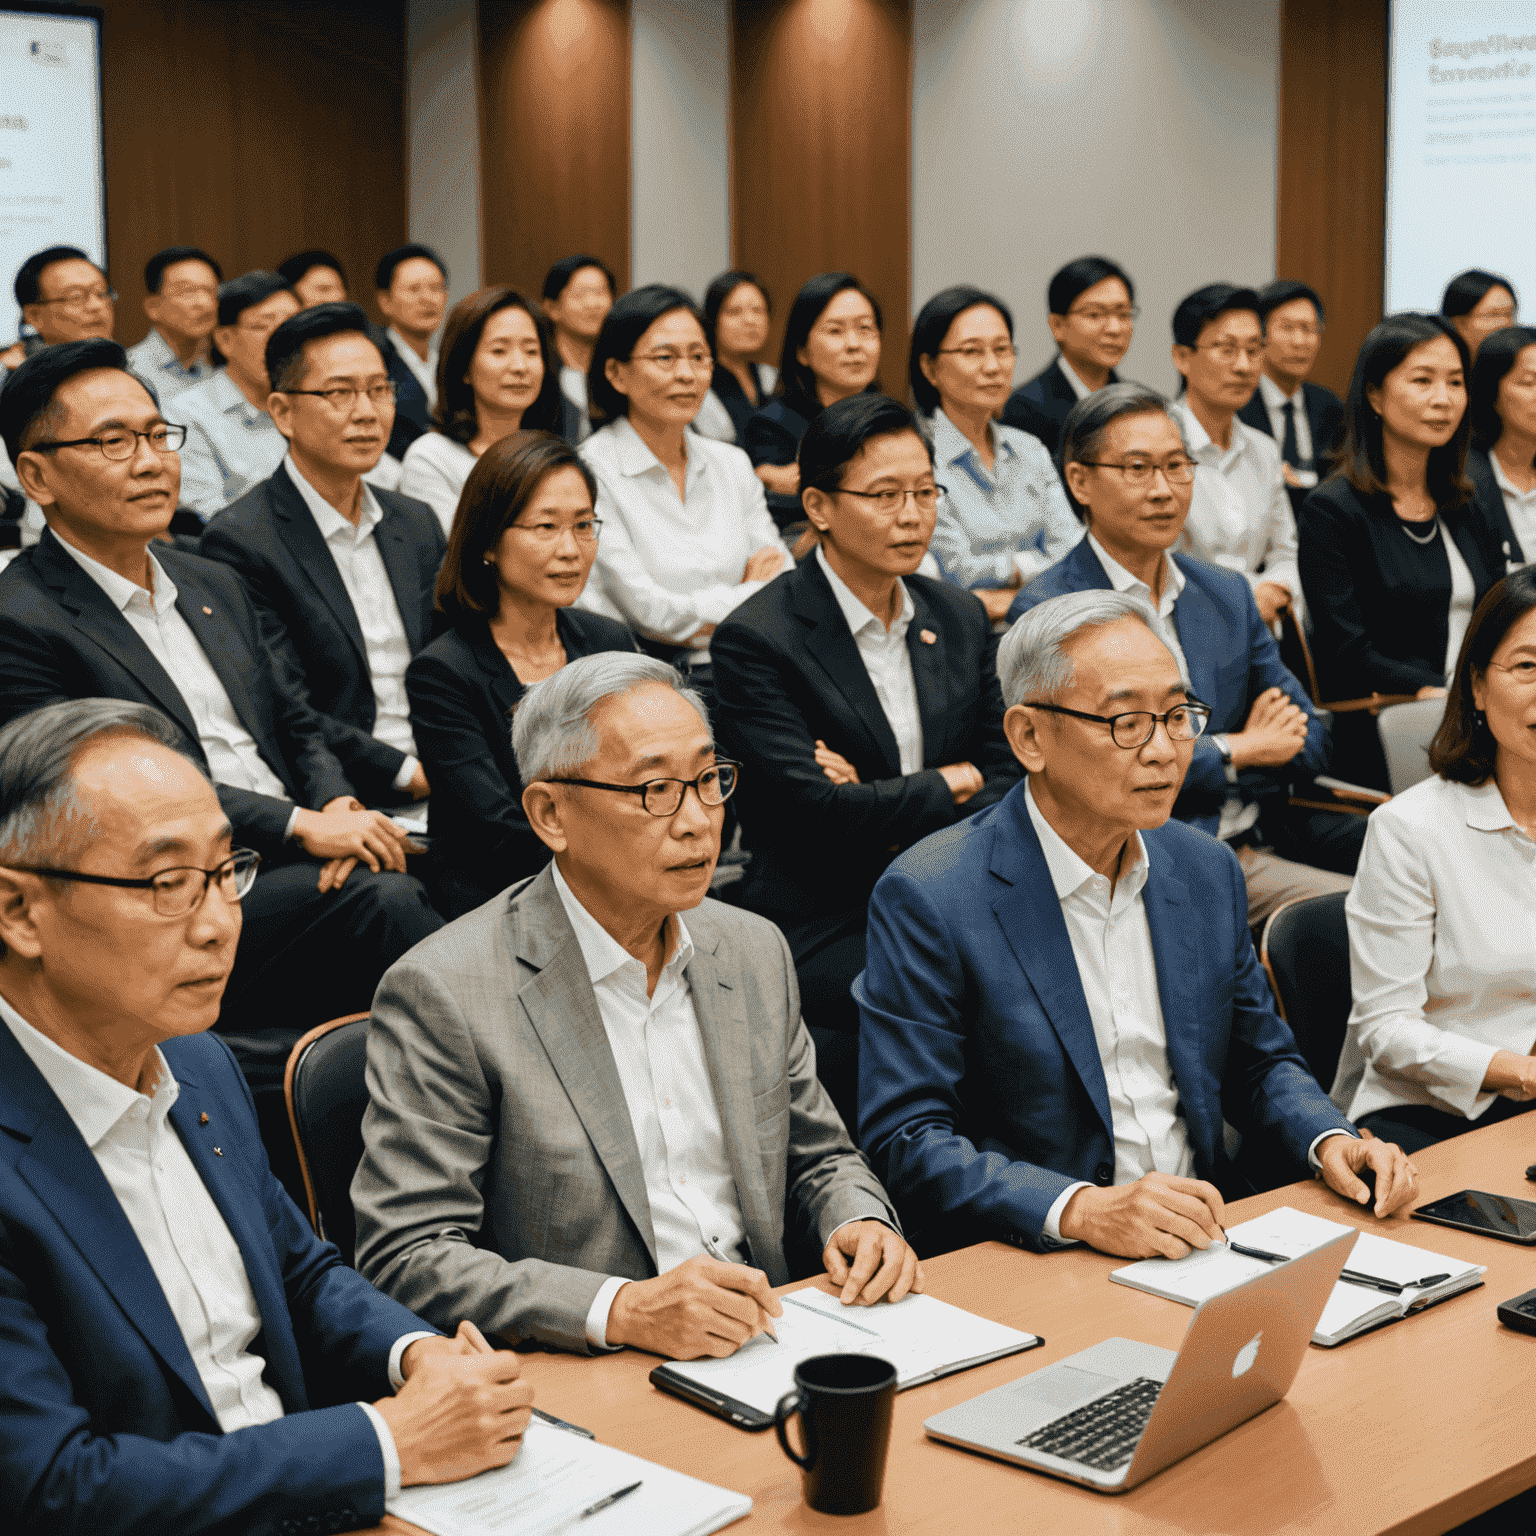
{"x":518,"y":556}
{"x":863,"y":703}
{"x":688,"y":532}
{"x":736,"y":311}
{"x":1478,"y":304}
{"x":831,"y":351}
{"x":1502,"y":463}
{"x":1394,"y":555}
{"x":497,"y":374}
{"x":1004,"y":516}
{"x":1440,"y":950}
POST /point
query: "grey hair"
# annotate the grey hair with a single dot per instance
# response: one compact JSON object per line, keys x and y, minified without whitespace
{"x":552,"y":730}
{"x":1082,"y":434}
{"x":1032,"y":662}
{"x":41,"y":814}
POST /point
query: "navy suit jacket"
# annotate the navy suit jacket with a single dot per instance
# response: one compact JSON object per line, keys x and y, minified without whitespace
{"x":981,"y":1091}
{"x":1325,"y":420}
{"x":1490,"y":502}
{"x":413,"y":414}
{"x":1042,"y":404}
{"x":104,"y":1422}
{"x":1232,"y":659}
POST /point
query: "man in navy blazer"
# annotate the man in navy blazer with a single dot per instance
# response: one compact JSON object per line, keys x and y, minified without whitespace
{"x":1062,"y":1011}
{"x":158,"y":1290}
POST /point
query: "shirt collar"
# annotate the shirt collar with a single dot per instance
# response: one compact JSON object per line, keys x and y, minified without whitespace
{"x":633,"y":457}
{"x":952,"y":446}
{"x":1505,"y":484}
{"x":855,"y":614}
{"x":120,"y":591}
{"x":1275,"y":397}
{"x":1070,"y":872}
{"x":331,"y":523}
{"x":1486,"y":811}
{"x":230,"y":401}
{"x":1079,"y":389}
{"x":1122,"y":580}
{"x":164,"y":355}
{"x":602,"y":953}
{"x":422,"y":368}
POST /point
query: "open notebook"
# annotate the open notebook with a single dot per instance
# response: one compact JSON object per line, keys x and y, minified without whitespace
{"x":1352,"y":1309}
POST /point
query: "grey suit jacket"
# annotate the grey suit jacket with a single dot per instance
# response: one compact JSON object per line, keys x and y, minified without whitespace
{"x":501,"y":1180}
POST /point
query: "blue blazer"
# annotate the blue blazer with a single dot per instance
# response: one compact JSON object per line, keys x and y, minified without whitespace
{"x":981,"y":1091}
{"x":1232,"y":659}
{"x":104,"y":1422}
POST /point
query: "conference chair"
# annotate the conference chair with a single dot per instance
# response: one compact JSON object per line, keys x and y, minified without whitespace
{"x":1406,"y":731}
{"x":327,"y":1095}
{"x":1305,"y":953}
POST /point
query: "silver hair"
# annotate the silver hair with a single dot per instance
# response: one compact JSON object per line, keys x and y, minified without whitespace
{"x":1032,"y":662}
{"x":1082,"y":434}
{"x":552,"y":730}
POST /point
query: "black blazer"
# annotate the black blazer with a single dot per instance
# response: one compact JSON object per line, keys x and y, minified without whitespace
{"x":62,"y":638}
{"x":787,"y":672}
{"x":1380,"y":602}
{"x":1325,"y":420}
{"x":733,"y":397}
{"x":413,"y":414}
{"x":462,"y":691}
{"x":773,"y":437}
{"x":270,"y":537}
{"x":1490,"y":502}
{"x":1041,"y":405}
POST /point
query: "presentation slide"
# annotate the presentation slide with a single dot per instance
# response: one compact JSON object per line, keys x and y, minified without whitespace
{"x":50,"y":144}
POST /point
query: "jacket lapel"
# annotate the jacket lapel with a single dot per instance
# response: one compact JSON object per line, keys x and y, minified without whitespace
{"x":302,"y":537}
{"x":506,"y":688}
{"x":1202,"y":637}
{"x":399,"y":558}
{"x":931,"y":674}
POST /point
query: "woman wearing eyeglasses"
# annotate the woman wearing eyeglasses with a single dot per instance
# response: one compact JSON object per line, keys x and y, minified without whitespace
{"x":522,"y":545}
{"x":1479,"y":303}
{"x":863,"y":702}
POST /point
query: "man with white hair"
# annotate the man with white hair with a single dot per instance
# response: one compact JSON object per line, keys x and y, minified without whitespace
{"x":586,"y":1114}
{"x":1062,"y":1016}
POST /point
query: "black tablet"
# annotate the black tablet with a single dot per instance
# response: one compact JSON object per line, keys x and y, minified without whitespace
{"x":1475,"y":1210}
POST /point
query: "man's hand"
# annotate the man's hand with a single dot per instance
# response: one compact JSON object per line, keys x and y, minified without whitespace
{"x":1397,"y":1180}
{"x":781,"y":479}
{"x":765,"y":564}
{"x":835,"y":765}
{"x":703,"y":1307}
{"x":1157,"y":1216}
{"x":1271,"y":597}
{"x":418,"y":788}
{"x":996,"y":600}
{"x":1512,"y":1076}
{"x":870,"y":1260}
{"x":344,"y":835}
{"x":1276,"y":731}
{"x":964,"y":780}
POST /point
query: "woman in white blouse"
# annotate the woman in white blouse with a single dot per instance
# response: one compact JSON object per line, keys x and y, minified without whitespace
{"x":496,"y":375}
{"x":1501,"y":400}
{"x":1442,"y":916}
{"x":686,"y":530}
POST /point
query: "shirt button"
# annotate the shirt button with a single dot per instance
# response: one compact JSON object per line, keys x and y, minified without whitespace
{"x":1104,"y":1172}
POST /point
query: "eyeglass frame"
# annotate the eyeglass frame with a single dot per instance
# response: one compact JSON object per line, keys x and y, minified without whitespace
{"x":80,"y":442}
{"x":976,"y":352}
{"x":540,"y":537}
{"x":329,"y":395}
{"x":687,"y":784}
{"x":107,"y":295}
{"x":1127,"y":470}
{"x":1228,"y":351}
{"x":1199,"y":706}
{"x":148,"y":884}
{"x":940,"y":492}
{"x":1101,"y":315}
{"x":705,"y":360}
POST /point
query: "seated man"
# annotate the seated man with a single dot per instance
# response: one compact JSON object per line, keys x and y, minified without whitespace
{"x":316,"y":277}
{"x":341,"y":573}
{"x":586,"y":1114}
{"x":1062,"y":1005}
{"x":182,"y":304}
{"x":158,"y":1290}
{"x":91,"y":612}
{"x":64,"y":296}
{"x":1127,"y":467}
{"x":412,"y":293}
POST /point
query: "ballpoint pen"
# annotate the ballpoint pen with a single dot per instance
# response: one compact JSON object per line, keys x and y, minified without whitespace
{"x":604,"y":1502}
{"x":1354,"y":1276}
{"x":715,"y":1251}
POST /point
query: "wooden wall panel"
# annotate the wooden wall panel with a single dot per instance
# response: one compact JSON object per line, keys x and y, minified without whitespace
{"x":1333,"y":166}
{"x":821,"y":149}
{"x":554,"y":134}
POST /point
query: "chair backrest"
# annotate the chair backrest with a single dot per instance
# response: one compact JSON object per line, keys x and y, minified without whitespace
{"x":1305,"y":950}
{"x":1406,"y":731}
{"x":1297,"y":654}
{"x":327,"y":1095}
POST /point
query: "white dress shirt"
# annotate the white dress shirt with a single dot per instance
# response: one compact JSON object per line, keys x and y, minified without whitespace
{"x":1521,"y":507}
{"x":1275,"y":399}
{"x":1458,"y":616}
{"x":573,"y":385}
{"x":231,"y":444}
{"x":425,"y":369}
{"x":888,"y":662}
{"x":155,"y":359}
{"x":1081,"y":390}
{"x":362,"y":572}
{"x":434,"y":471}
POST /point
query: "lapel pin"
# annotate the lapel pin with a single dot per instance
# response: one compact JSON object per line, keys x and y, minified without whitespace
{"x":208,"y":610}
{"x":202,"y":1119}
{"x":928,"y":637}
{"x":218,"y":1151}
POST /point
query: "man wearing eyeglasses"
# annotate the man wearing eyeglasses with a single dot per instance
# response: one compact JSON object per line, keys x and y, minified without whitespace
{"x":1062,"y":1010}
{"x":586,"y":1111}
{"x":341,"y":572}
{"x":64,"y":296}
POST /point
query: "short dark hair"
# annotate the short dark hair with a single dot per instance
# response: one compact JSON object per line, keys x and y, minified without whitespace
{"x":246,"y":292}
{"x":720,"y":290}
{"x":623,"y":326}
{"x":154,"y":268}
{"x":303,"y":262}
{"x":1360,"y":458}
{"x":1082,"y":433}
{"x":1463,"y":749}
{"x":285,"y":346}
{"x":28,"y":393}
{"x":797,"y":384}
{"x":500,"y":485}
{"x":1283,"y":291}
{"x":454,"y":412}
{"x":1468,"y":289}
{"x":838,"y":434}
{"x":1077,"y":277}
{"x":384,"y":276}
{"x":932,"y":326}
{"x":1495,"y":358}
{"x":29,"y":275}
{"x":1207,"y":304}
{"x":559,"y":276}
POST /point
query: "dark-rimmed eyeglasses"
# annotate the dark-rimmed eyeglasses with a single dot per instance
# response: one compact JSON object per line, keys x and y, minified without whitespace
{"x":342,"y":397}
{"x":888,"y":500}
{"x":1140,"y":472}
{"x":79,"y":298}
{"x":664,"y":797}
{"x":175,"y":892}
{"x":120,"y":442}
{"x":1135,"y":727}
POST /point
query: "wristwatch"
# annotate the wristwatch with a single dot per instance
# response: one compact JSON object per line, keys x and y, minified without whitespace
{"x":1223,"y":744}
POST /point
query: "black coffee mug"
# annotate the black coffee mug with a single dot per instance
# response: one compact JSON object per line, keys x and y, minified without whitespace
{"x":845,"y":1404}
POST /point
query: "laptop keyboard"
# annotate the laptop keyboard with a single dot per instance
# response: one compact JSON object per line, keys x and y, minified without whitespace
{"x":1101,"y":1434}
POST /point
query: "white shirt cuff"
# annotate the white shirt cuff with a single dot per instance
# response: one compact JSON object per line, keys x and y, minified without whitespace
{"x":397,"y":1352}
{"x":1050,"y":1228}
{"x":597,"y":1313}
{"x":288,"y":830}
{"x":1312,"y":1158}
{"x":387,"y":1446}
{"x":407,"y":773}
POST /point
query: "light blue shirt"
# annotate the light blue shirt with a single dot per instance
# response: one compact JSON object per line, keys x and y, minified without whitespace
{"x":152,"y":359}
{"x":230,"y":447}
{"x":1013,"y":519}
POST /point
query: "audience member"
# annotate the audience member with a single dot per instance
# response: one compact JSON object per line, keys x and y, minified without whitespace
{"x":499,"y":373}
{"x":862,"y":700}
{"x":1003,"y":516}
{"x":578,"y":293}
{"x":182,"y":1352}
{"x":98,"y":609}
{"x":1062,"y":1012}
{"x":1128,"y":467}
{"x":520,"y":552}
{"x":1091,"y":310}
{"x":736,"y":311}
{"x":688,"y":534}
{"x":183,"y":307}
{"x":412,"y":293}
{"x":63,"y":296}
{"x":1478,"y":304}
{"x":316,"y":277}
{"x":1501,"y":402}
{"x":341,"y":573}
{"x":831,"y":351}
{"x":231,"y":443}
{"x":588,"y":1119}
{"x":1240,"y":517}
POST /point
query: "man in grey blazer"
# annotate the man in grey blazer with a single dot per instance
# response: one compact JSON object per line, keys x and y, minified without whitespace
{"x":589,"y":1118}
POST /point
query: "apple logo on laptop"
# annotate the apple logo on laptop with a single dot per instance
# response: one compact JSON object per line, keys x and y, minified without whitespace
{"x":1246,"y":1356}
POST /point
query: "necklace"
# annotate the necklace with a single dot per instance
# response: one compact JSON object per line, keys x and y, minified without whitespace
{"x":1426,"y":538}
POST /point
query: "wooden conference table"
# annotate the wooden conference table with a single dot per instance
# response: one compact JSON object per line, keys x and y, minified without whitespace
{"x":1411,"y":1429}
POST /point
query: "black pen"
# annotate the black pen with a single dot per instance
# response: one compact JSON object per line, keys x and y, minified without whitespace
{"x":1391,"y":1287}
{"x":603,"y":1503}
{"x":1257,"y":1253}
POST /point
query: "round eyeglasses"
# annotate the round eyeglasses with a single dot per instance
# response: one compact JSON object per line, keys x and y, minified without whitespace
{"x":1135,"y":727}
{"x":664,"y":797}
{"x":119,"y":443}
{"x":174,"y":892}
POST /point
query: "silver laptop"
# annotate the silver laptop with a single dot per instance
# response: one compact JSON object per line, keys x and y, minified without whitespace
{"x":1111,"y":1416}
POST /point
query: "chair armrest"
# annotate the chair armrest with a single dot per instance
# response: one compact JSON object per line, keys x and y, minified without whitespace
{"x":1346,"y":791}
{"x":1376,"y":702}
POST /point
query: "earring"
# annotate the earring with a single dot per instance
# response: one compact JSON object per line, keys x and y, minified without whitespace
{"x":488,"y":560}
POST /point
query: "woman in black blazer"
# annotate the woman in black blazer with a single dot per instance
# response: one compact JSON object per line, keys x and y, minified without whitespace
{"x":1502,"y":463}
{"x":522,"y":546}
